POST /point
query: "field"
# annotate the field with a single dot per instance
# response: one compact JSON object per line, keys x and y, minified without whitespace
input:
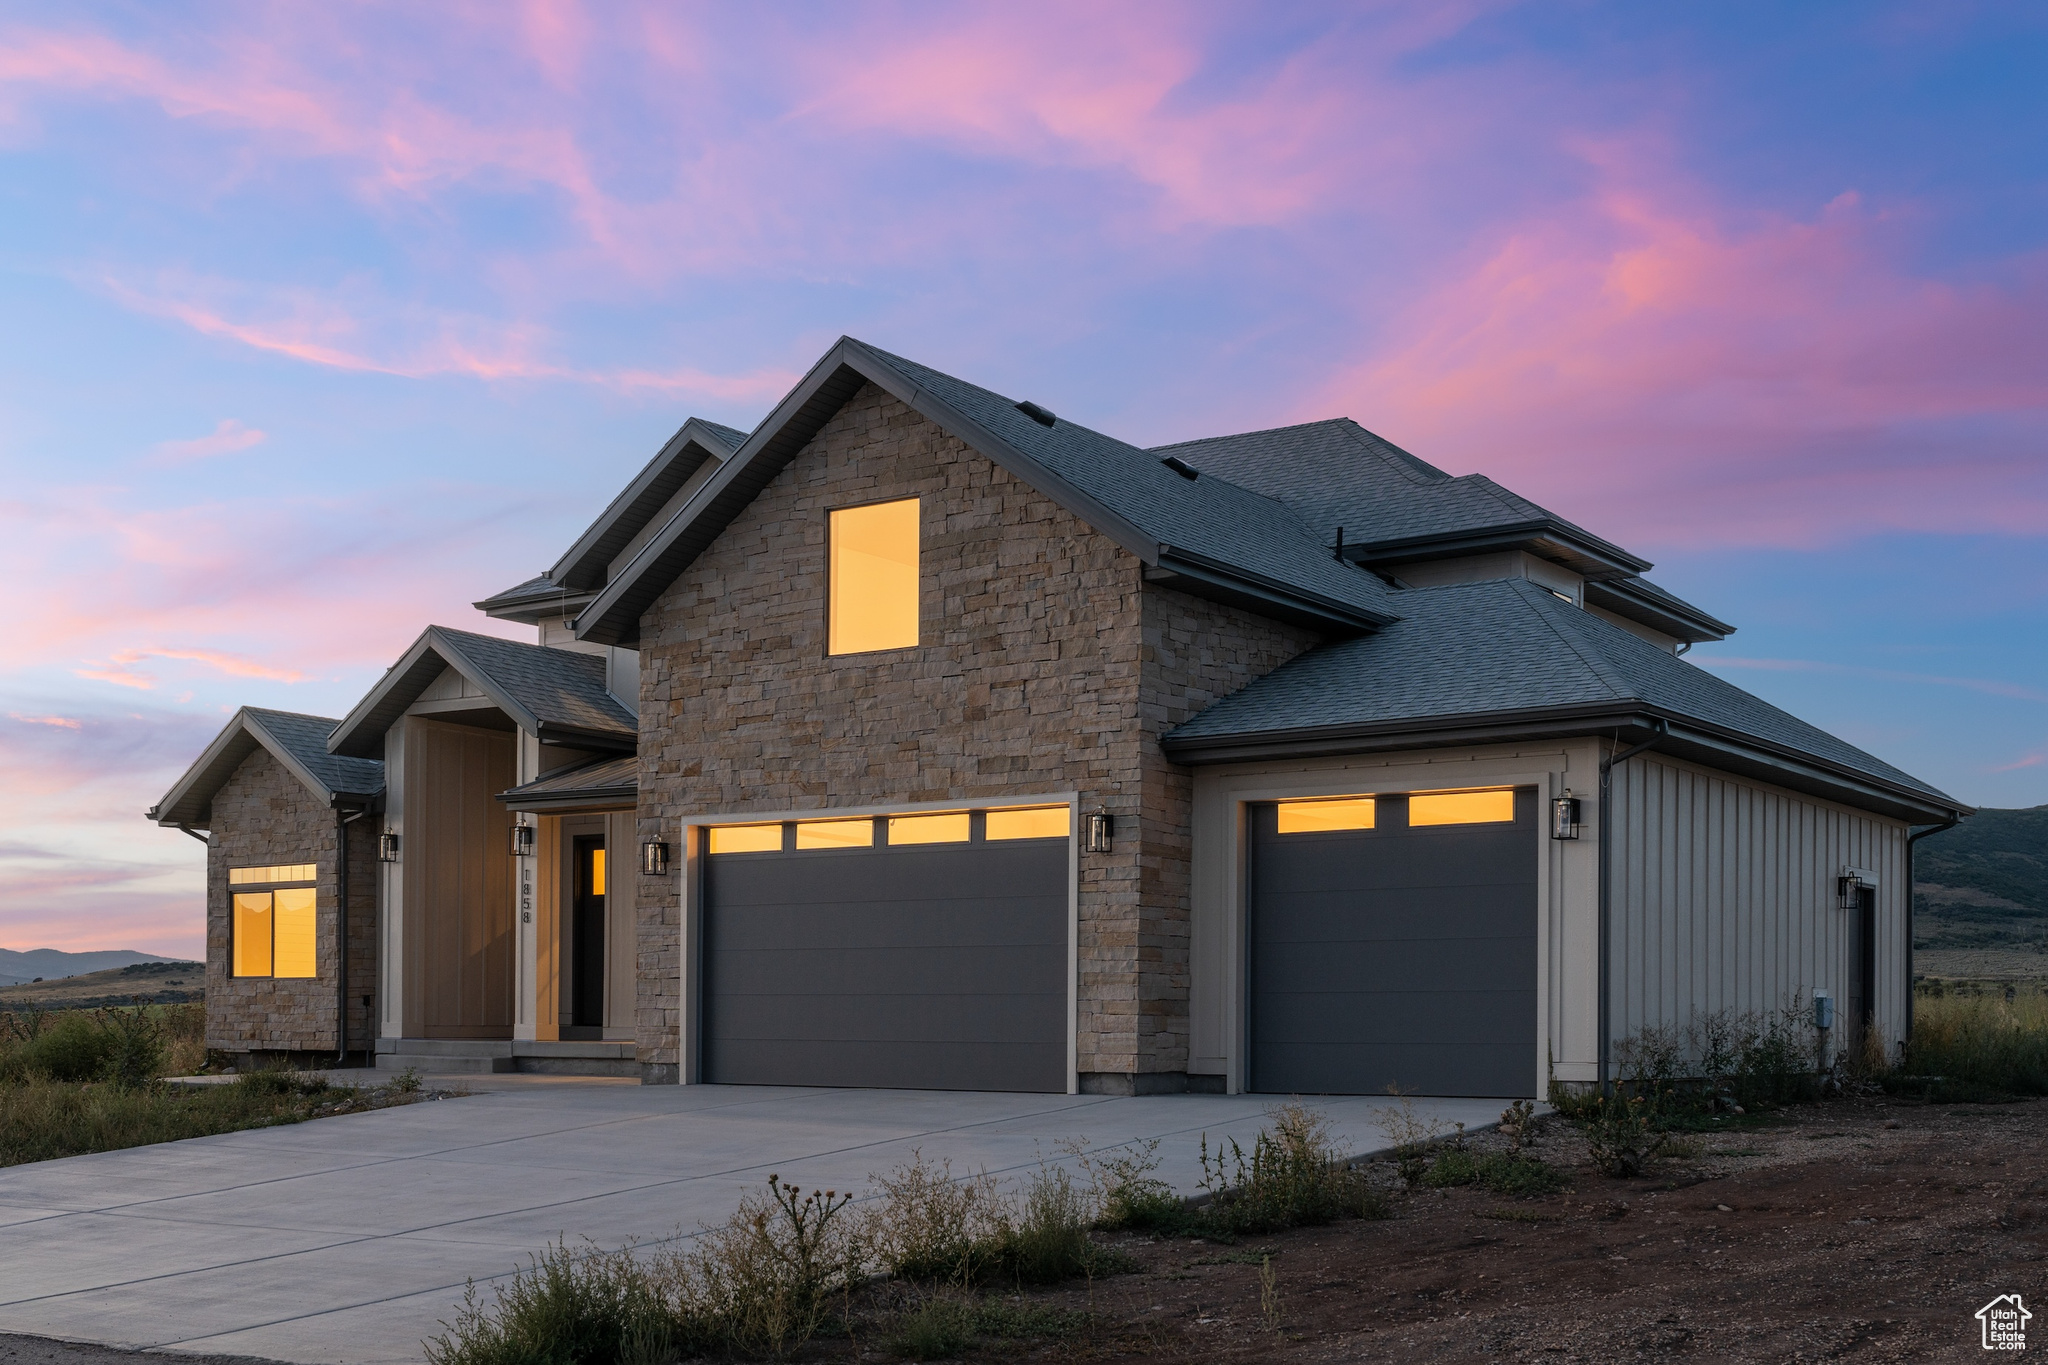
{"x":165,"y":983}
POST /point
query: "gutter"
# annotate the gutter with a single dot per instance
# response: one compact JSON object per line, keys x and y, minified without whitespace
{"x":1913,"y":837}
{"x":342,"y":820}
{"x":1663,"y":732}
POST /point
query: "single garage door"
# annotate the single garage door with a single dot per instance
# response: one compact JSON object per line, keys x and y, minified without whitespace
{"x":1393,"y":943}
{"x":921,"y":952}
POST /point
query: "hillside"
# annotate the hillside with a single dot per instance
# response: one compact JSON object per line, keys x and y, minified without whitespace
{"x":166,"y":983}
{"x":52,"y":964}
{"x":1984,"y":884}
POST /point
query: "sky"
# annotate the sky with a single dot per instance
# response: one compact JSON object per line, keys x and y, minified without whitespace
{"x":318,"y":323}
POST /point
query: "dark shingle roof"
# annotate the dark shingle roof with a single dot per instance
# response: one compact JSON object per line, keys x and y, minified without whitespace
{"x":296,"y":740}
{"x":604,"y":781}
{"x":1336,"y":473}
{"x":1496,"y":649}
{"x":552,"y":693}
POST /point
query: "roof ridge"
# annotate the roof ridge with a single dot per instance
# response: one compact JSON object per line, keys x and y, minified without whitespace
{"x":1541,"y":606}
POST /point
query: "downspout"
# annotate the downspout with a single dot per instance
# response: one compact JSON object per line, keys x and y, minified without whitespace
{"x":1607,"y":894}
{"x":1913,"y":838}
{"x":187,"y":829}
{"x":342,"y":820}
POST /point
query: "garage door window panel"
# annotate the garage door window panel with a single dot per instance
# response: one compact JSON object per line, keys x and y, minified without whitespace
{"x":815,"y":834}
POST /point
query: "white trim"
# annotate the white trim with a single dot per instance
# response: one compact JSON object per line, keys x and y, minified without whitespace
{"x":692,"y":840}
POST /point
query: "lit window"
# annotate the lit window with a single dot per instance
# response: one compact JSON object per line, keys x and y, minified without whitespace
{"x":1462,"y":808}
{"x":872,"y":578}
{"x":276,"y":932}
{"x":835,"y":834}
{"x":1319,"y":817}
{"x":950,"y":828}
{"x":271,"y":876}
{"x":1029,"y":822}
{"x":746,"y":838}
{"x":597,"y":872}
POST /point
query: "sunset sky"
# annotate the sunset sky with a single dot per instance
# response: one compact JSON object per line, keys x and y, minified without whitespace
{"x":322,"y":321}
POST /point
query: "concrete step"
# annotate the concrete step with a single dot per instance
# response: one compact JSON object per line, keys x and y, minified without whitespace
{"x":435,"y":1064}
{"x":493,"y":1056}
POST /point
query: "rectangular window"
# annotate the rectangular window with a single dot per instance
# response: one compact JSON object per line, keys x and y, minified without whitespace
{"x":1029,"y":822}
{"x":1462,"y":808}
{"x":271,"y":876}
{"x":835,"y":834}
{"x":746,"y":838}
{"x":252,"y":933}
{"x":292,"y":923}
{"x":597,"y":872}
{"x":950,"y":828}
{"x":1321,"y":817}
{"x":872,"y":578}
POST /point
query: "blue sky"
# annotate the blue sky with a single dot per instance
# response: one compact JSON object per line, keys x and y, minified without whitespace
{"x":324,"y":323}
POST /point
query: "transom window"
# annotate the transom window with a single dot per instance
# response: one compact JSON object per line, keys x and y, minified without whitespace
{"x":1319,"y":817}
{"x":1329,"y":814}
{"x":871,"y":585}
{"x":999,"y":825}
{"x":273,"y":875}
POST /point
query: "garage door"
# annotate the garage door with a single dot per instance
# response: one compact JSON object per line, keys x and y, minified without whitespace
{"x":925,"y":952}
{"x":1393,"y":942}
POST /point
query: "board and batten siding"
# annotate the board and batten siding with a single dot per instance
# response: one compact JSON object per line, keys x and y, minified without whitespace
{"x":1725,"y":898}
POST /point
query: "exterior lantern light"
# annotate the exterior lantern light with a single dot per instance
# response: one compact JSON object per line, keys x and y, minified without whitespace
{"x":387,"y":847}
{"x":1101,"y":830}
{"x":653,"y":858}
{"x":1846,"y":887}
{"x":522,"y":841}
{"x":1564,"y":816}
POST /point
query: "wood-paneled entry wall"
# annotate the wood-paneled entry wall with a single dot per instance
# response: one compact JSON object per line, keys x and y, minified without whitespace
{"x":458,"y":876}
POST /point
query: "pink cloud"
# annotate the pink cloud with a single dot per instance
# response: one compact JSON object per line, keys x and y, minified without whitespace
{"x":119,"y":677}
{"x":227,"y":437}
{"x":57,"y":722}
{"x":1989,"y":686}
{"x":2033,"y":760}
{"x":1650,"y":363}
{"x":234,"y":665}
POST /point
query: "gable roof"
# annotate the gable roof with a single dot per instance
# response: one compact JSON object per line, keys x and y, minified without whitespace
{"x":1395,"y":508}
{"x":1206,"y":535}
{"x":557,"y":695}
{"x":582,"y":569}
{"x":1506,"y":659}
{"x":297,"y":741}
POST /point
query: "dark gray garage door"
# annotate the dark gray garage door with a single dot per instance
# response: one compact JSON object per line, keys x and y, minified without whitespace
{"x":1394,"y":955}
{"x":937,"y":967}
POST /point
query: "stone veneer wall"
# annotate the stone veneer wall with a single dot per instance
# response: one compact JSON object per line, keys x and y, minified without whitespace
{"x":263,"y":815}
{"x":1196,"y":652}
{"x":1045,"y":665}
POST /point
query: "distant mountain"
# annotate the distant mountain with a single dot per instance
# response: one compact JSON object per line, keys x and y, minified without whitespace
{"x":1984,"y":884}
{"x":53,"y":964}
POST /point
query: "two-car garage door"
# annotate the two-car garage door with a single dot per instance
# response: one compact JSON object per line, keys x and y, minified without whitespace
{"x":1392,"y":943}
{"x":926,"y":951}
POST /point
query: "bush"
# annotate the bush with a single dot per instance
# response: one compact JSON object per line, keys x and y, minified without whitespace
{"x":1500,"y":1172}
{"x":1295,"y":1177}
{"x":41,"y":1119}
{"x":930,"y":1228}
{"x":74,"y":1048}
{"x":568,"y":1307}
{"x":1624,"y":1135}
{"x":135,"y":1045}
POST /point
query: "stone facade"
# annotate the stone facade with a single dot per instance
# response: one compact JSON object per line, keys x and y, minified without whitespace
{"x":263,"y":815}
{"x":1045,"y":664}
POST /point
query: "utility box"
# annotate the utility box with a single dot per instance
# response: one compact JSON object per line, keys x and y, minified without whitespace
{"x":1823,"y":1011}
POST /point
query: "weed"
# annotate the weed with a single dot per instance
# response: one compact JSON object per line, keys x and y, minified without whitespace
{"x":1518,"y":1125}
{"x":1624,"y":1136}
{"x":1414,"y":1136}
{"x":929,"y":1227}
{"x":1269,"y":1295}
{"x":1500,"y":1172}
{"x":134,"y":1044}
{"x":1131,"y":1195}
{"x":407,"y":1081}
{"x":1294,"y":1177}
{"x":1680,"y":1149}
{"x":574,"y":1307}
{"x":1048,"y":1240}
{"x":41,"y":1119}
{"x":1969,"y":1047}
{"x":933,"y":1330}
{"x":1243,"y":1256}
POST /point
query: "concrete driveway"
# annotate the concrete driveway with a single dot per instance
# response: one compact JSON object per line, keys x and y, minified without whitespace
{"x":350,"y":1239}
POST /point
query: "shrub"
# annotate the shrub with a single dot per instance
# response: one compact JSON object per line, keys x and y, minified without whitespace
{"x":134,"y":1044}
{"x":587,"y":1307}
{"x":1131,"y":1195}
{"x":74,"y":1048}
{"x":929,"y":1227}
{"x":1415,"y":1136}
{"x":1294,"y":1177}
{"x":1500,"y":1172}
{"x":935,"y":1329}
{"x":760,"y":1283}
{"x":1048,"y":1240}
{"x":1624,"y":1136}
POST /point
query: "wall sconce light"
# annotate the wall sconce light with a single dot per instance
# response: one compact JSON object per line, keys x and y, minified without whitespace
{"x":1101,"y":830}
{"x":653,"y":859}
{"x":1846,"y":888}
{"x":387,"y":847}
{"x":522,"y":841}
{"x":1564,"y":816}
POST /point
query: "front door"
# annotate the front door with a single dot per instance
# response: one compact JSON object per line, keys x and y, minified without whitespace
{"x":586,"y":935}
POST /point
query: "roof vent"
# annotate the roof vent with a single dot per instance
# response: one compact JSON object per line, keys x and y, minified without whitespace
{"x":1181,"y":467}
{"x":1042,"y":416}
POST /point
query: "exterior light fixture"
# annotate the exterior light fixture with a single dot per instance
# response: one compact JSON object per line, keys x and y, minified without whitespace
{"x":387,"y":847}
{"x":1101,"y":830}
{"x":522,"y":841}
{"x":653,"y":859}
{"x":1846,"y":889}
{"x":1564,"y":816}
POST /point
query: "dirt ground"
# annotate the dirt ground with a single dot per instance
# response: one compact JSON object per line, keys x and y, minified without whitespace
{"x":1862,"y":1230}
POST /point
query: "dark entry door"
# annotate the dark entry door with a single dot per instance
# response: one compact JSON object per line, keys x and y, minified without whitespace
{"x":1394,"y":954}
{"x":1863,"y":1004}
{"x":937,"y":966}
{"x":586,"y":955}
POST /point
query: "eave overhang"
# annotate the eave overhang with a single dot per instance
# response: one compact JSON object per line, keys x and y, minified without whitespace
{"x":1686,"y":738}
{"x":1586,"y":555}
{"x":189,"y":803}
{"x":1680,"y":620}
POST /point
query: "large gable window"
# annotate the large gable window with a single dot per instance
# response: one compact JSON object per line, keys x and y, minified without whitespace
{"x":872,"y":585}
{"x":274,"y":929}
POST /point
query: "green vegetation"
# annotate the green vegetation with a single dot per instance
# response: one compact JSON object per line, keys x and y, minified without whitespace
{"x":1500,"y":1172}
{"x":1974,"y":1045}
{"x":79,"y":1081}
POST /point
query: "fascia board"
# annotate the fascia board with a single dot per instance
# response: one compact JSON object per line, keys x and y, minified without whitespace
{"x":361,"y":732}
{"x":290,"y":761}
{"x":1695,"y":626}
{"x":582,"y":798}
{"x":692,"y":432}
{"x":1259,"y":593}
{"x":1609,"y":559}
{"x":233,"y":744}
{"x":1720,"y":749}
{"x":470,"y":669}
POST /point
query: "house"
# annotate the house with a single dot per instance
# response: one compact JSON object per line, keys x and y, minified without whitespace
{"x":922,"y":738}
